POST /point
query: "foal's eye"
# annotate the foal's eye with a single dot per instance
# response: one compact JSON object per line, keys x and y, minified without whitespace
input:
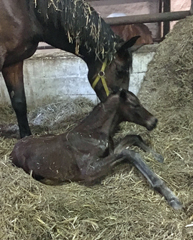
{"x":136,"y":106}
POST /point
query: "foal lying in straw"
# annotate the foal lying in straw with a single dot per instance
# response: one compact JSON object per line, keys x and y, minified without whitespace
{"x":86,"y":153}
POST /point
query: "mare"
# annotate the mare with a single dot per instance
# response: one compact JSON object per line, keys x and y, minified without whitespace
{"x":70,"y":25}
{"x":86,"y":153}
{"x":128,"y":31}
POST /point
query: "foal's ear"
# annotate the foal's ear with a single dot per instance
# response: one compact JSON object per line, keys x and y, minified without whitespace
{"x":123,"y":95}
{"x":126,"y":45}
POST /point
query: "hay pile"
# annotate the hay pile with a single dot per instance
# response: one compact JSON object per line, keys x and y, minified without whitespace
{"x":122,"y":206}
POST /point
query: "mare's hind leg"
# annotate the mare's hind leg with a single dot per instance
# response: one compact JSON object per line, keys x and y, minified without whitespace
{"x":136,"y":140}
{"x":13,"y":76}
{"x":152,"y":178}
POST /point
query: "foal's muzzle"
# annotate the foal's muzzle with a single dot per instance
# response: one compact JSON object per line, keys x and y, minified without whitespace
{"x":151,"y":123}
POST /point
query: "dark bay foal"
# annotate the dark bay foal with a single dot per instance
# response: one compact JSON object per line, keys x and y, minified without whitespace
{"x":86,"y":154}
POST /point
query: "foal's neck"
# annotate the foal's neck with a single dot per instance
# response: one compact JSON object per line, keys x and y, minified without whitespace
{"x":101,"y":119}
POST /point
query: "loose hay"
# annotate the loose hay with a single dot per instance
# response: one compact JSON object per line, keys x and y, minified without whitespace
{"x":60,"y":116}
{"x":123,"y":206}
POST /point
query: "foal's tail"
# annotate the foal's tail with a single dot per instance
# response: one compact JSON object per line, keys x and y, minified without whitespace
{"x":18,"y":158}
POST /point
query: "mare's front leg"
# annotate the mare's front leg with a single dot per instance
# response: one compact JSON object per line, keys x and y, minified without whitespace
{"x":13,"y":76}
{"x":136,"y":140}
{"x":152,"y":178}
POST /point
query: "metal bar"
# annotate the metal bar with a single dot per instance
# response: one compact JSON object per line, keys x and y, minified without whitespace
{"x":191,"y":8}
{"x":159,"y":23}
{"x":166,"y":8}
{"x":148,"y":18}
{"x":99,"y":3}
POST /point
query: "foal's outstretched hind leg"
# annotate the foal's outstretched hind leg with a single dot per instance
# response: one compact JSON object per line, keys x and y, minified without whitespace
{"x":152,"y":178}
{"x":13,"y":76}
{"x":136,"y":140}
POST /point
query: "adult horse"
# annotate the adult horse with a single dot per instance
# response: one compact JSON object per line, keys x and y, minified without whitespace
{"x":128,"y":31}
{"x":86,"y":153}
{"x":70,"y":25}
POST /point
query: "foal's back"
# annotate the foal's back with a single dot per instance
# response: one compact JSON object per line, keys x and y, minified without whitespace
{"x":47,"y":157}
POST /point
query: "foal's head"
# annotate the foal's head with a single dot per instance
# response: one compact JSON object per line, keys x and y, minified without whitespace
{"x":131,"y":110}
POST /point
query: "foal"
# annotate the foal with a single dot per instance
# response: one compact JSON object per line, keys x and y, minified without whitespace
{"x":85,"y":153}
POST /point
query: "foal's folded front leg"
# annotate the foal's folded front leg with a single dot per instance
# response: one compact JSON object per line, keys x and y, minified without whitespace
{"x":136,"y":140}
{"x":153,"y":179}
{"x":96,"y":169}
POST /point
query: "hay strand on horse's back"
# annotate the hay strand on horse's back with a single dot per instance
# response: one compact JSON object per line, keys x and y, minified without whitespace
{"x":79,"y":20}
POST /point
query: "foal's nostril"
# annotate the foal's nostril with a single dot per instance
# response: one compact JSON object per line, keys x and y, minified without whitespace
{"x":151,"y":123}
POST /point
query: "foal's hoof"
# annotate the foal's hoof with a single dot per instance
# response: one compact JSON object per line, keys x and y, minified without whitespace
{"x":175,"y":203}
{"x":158,"y":157}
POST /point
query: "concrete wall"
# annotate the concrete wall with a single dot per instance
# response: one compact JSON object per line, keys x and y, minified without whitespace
{"x":141,"y":59}
{"x":51,"y":76}
{"x":55,"y":75}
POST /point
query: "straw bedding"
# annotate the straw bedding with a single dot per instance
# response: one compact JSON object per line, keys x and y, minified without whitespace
{"x":122,"y":206}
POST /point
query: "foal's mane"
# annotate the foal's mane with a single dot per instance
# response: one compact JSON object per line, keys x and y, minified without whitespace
{"x":80,"y":22}
{"x":101,"y":113}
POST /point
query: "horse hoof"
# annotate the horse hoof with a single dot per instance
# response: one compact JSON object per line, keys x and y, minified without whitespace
{"x":175,"y":204}
{"x":159,"y":157}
